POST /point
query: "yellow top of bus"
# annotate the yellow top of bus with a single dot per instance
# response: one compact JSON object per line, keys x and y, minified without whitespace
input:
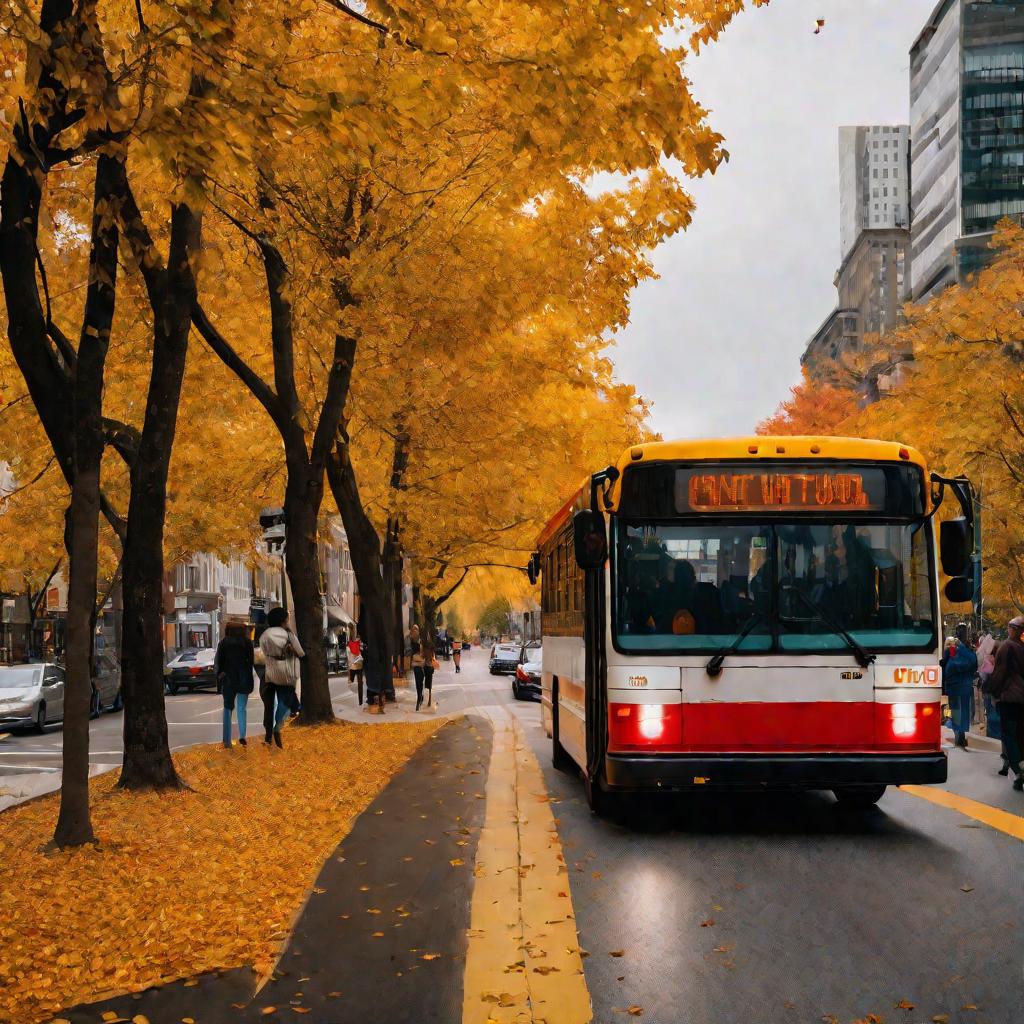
{"x":853,"y":449}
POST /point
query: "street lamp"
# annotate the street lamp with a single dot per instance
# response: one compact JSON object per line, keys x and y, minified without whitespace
{"x":272,"y":520}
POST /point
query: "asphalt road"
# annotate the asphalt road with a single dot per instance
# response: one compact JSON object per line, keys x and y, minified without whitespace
{"x":738,"y":908}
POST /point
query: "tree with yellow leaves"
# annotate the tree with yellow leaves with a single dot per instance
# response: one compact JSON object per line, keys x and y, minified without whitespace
{"x":961,"y":400}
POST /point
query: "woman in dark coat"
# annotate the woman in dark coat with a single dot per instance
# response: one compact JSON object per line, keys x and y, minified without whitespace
{"x":233,"y":667}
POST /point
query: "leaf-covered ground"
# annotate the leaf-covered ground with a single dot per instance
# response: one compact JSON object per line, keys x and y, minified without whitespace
{"x":187,"y":882}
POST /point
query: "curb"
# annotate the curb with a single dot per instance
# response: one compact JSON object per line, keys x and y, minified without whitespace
{"x":977,"y":741}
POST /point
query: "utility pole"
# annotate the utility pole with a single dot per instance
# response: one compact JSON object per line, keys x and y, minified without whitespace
{"x":976,"y":563}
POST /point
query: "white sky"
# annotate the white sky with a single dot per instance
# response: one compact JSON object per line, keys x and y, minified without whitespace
{"x":716,"y":342}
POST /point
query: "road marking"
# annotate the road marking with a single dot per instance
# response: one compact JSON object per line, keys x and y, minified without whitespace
{"x":994,"y":817}
{"x":523,"y":963}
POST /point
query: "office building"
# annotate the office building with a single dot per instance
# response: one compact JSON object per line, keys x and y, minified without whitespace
{"x":967,"y":137}
{"x":874,"y":187}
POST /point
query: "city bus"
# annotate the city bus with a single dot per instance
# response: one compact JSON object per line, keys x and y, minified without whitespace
{"x":751,"y":613}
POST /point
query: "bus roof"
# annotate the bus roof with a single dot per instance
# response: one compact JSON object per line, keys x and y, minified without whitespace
{"x":854,"y":449}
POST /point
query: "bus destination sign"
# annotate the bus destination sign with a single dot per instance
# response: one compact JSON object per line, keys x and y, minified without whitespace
{"x":792,"y":490}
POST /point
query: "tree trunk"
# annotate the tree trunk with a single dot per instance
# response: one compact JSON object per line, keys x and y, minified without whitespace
{"x":302,"y":500}
{"x":147,"y":755}
{"x":364,"y":547}
{"x":73,"y":823}
{"x":392,"y":569}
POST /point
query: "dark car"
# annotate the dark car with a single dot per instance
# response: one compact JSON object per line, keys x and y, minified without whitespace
{"x":526,"y":681}
{"x":504,"y":659}
{"x":191,"y":670}
{"x":106,"y":685}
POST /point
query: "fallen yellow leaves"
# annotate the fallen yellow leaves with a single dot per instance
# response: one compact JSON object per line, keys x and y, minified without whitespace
{"x":169,"y":891}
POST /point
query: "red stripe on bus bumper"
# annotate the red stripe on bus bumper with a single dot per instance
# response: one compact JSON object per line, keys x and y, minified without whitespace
{"x":773,"y":727}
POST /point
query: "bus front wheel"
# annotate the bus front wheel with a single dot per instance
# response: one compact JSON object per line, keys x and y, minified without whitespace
{"x":859,"y":796}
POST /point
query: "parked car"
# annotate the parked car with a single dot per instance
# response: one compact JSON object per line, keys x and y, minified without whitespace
{"x":526,"y":681}
{"x":31,"y":695}
{"x":504,"y":658}
{"x":191,"y":670}
{"x":106,"y":685}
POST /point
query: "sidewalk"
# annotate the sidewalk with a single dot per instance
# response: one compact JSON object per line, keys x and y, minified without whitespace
{"x":391,"y":904}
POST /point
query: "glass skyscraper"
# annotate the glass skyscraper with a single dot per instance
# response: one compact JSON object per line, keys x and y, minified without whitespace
{"x":967,"y":136}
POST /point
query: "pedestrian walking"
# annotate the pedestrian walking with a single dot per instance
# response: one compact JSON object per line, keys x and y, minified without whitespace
{"x":430,"y":663}
{"x":416,"y":658}
{"x":355,"y":665}
{"x":958,"y":668}
{"x":282,"y":651}
{"x":457,"y":655}
{"x":233,"y":669}
{"x":1006,"y":684}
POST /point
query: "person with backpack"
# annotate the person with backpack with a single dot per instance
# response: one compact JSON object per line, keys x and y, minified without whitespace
{"x":282,"y":650}
{"x":1006,"y":685}
{"x":233,"y":669}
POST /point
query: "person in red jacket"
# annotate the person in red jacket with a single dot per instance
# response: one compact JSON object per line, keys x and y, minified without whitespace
{"x":355,"y":664}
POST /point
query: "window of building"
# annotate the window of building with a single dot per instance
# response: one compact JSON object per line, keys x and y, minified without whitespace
{"x":885,"y":172}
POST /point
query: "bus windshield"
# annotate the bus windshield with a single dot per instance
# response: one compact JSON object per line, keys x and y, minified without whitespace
{"x":696,"y":588}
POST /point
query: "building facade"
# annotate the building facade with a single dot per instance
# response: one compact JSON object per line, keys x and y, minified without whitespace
{"x":874,"y":186}
{"x":874,"y":236}
{"x":967,"y":137}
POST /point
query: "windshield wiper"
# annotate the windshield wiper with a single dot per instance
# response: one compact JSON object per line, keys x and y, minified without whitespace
{"x":714,"y":666}
{"x":864,"y":657}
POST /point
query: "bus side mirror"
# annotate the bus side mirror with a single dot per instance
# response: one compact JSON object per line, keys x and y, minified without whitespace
{"x":960,"y":589}
{"x":590,"y":542}
{"x":955,"y":546}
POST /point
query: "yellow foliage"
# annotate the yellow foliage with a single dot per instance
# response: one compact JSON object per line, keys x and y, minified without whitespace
{"x":182,"y":883}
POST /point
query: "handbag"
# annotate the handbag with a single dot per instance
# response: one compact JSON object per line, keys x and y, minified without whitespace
{"x":356,"y":663}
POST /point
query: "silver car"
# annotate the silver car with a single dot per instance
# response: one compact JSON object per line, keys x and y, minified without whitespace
{"x":31,"y":695}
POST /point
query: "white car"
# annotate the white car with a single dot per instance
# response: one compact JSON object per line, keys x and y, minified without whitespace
{"x":526,"y":681}
{"x":191,"y":670}
{"x":31,"y":694}
{"x":504,"y":659}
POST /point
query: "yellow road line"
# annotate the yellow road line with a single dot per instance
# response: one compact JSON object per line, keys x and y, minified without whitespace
{"x":1004,"y":821}
{"x":523,"y":963}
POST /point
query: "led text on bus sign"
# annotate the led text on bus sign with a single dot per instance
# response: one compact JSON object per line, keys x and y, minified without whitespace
{"x":798,"y":492}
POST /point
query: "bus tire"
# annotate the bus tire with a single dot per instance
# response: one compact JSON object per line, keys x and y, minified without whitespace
{"x":600,"y":801}
{"x":559,"y":755}
{"x":859,"y":797}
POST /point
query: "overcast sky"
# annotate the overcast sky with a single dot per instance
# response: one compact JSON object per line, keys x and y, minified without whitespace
{"x":716,"y":342}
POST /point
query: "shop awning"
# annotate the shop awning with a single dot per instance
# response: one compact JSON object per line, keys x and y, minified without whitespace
{"x":337,"y":616}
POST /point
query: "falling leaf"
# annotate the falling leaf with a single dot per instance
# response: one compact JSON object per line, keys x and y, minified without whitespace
{"x":457,"y":862}
{"x":373,"y":910}
{"x":430,"y":956}
{"x":708,"y":923}
{"x":301,"y":1009}
{"x":319,"y":892}
{"x":830,"y":1018}
{"x":268,"y":1010}
{"x":969,"y":1006}
{"x":903,"y":1004}
{"x":191,"y":983}
{"x":378,"y":935}
{"x":940,"y":1018}
{"x":333,"y":995}
{"x":967,"y":888}
{"x":617,"y":952}
{"x":109,"y":1015}
{"x":636,"y":1011}
{"x":597,"y":874}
